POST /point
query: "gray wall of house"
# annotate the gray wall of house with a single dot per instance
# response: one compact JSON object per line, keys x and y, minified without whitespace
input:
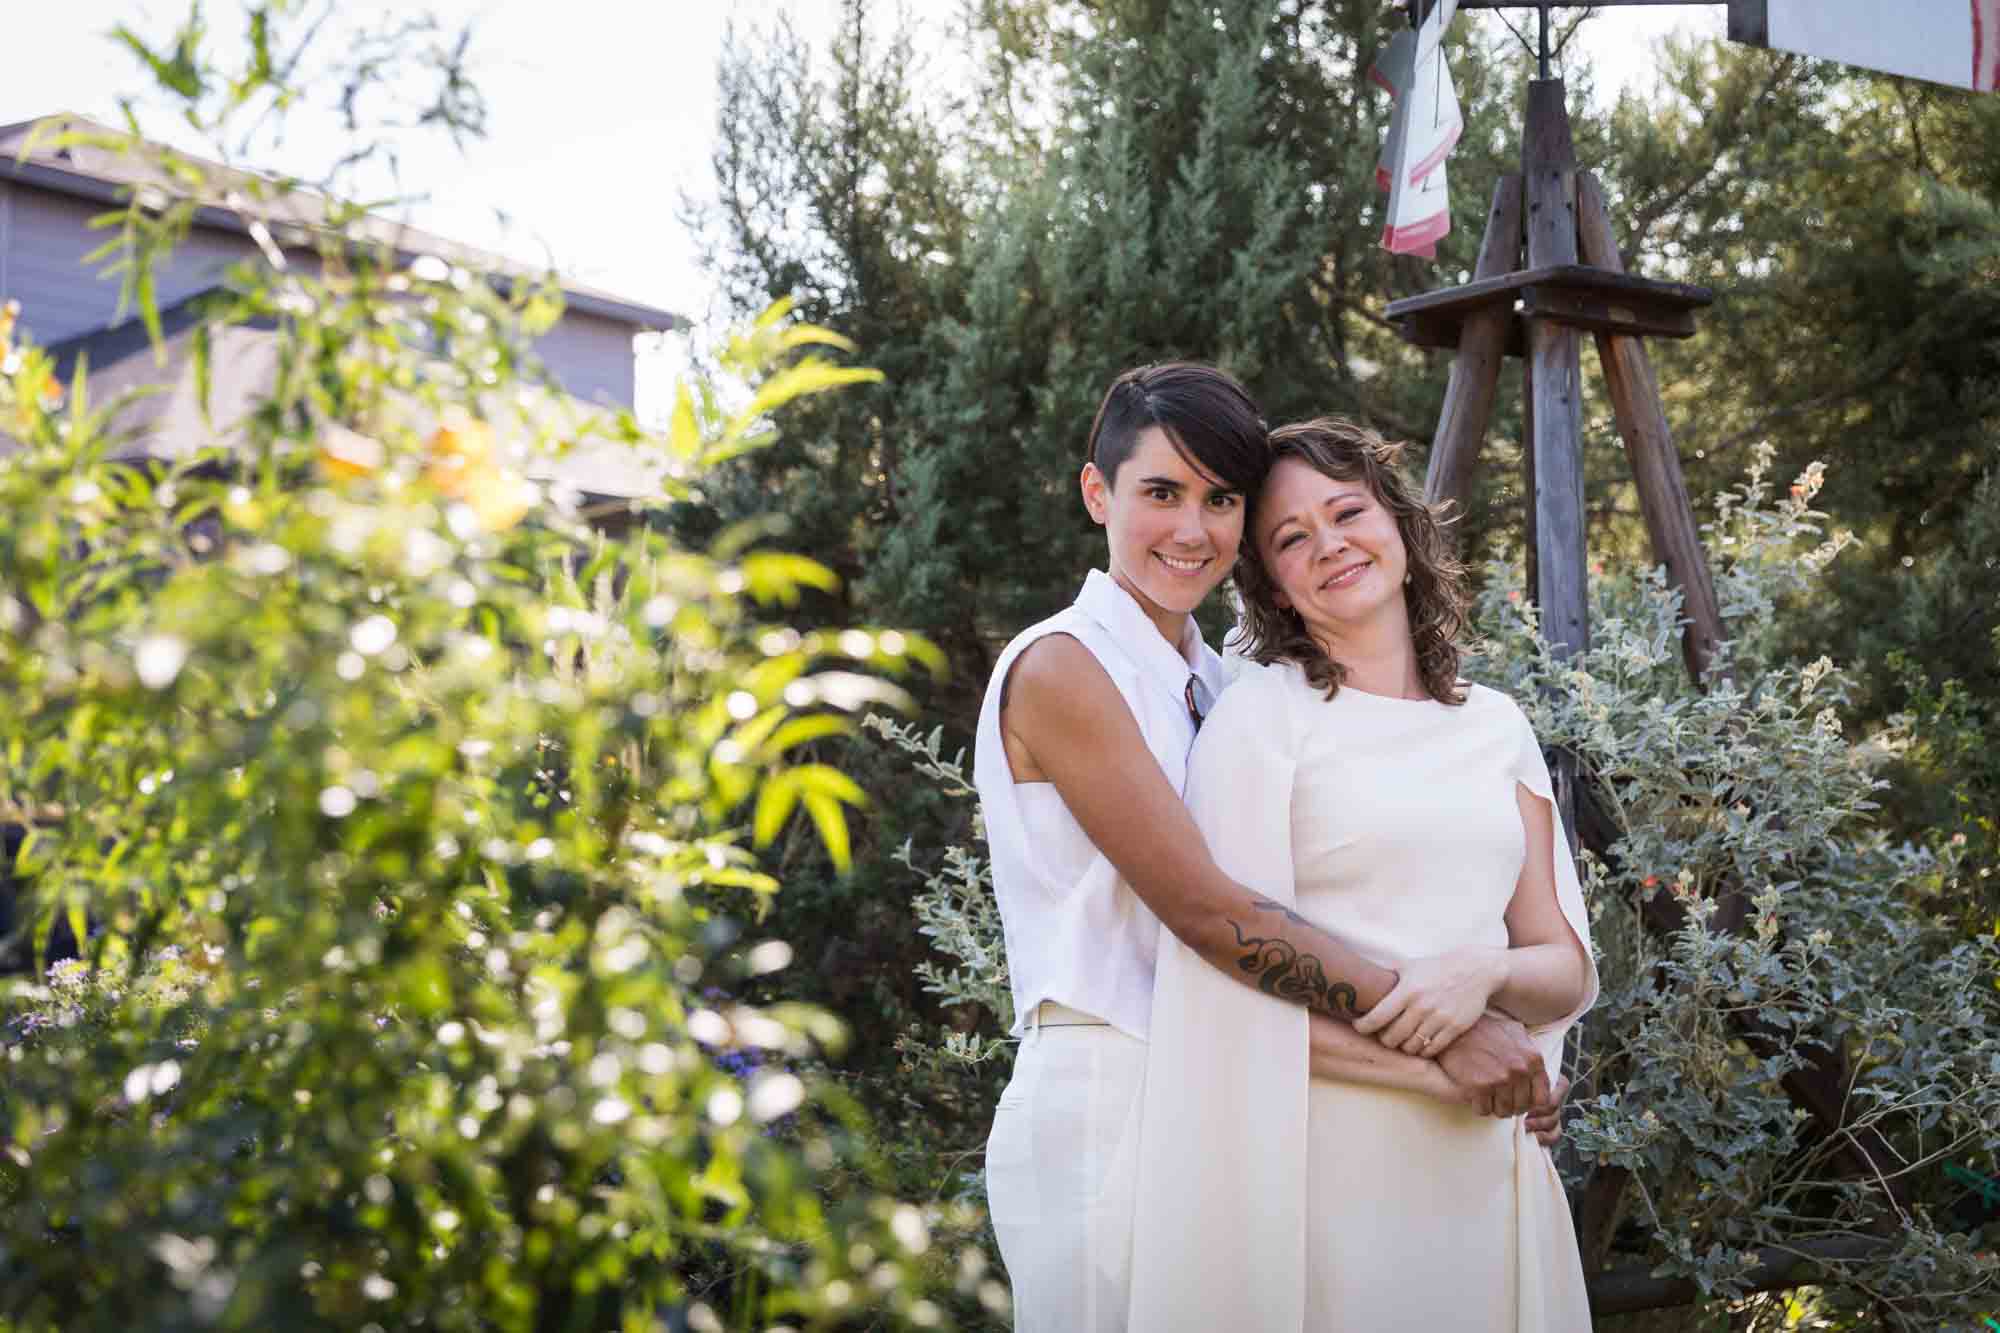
{"x":44,"y":236}
{"x":591,"y":357}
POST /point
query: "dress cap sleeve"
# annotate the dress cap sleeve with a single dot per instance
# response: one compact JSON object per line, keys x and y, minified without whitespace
{"x":1531,"y":770}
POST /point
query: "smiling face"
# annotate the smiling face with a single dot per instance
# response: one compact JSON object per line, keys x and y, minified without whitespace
{"x":1332,"y":549}
{"x":1173,"y":530}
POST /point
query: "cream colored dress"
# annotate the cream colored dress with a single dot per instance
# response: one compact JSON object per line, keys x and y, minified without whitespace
{"x":1271,"y":1203}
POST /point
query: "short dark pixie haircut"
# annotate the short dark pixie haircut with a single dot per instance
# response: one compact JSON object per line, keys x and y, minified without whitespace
{"x":1211,"y":420}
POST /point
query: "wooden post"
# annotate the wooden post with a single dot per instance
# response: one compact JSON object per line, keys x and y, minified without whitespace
{"x":1555,"y":377}
{"x":1482,"y":346}
{"x":1529,"y":544}
{"x":1649,"y":447}
{"x":1552,"y":450}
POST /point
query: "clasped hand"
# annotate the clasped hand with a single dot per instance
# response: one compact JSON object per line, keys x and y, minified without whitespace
{"x":1497,"y":1071}
{"x":1435,"y":1000}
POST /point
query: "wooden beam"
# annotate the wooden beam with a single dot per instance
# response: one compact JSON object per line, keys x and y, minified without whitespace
{"x":1649,"y":447}
{"x":1778,"y":1266}
{"x":1448,"y":332}
{"x":1482,"y":346}
{"x":1591,"y":312}
{"x":1555,"y":378}
{"x":1641,"y":300}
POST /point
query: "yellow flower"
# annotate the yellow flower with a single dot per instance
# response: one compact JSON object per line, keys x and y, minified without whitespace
{"x":499,"y":498}
{"x":460,"y":446}
{"x":346,"y":454}
{"x":463,"y":467}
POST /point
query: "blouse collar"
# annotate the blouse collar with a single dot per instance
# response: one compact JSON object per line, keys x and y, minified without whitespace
{"x":1104,"y":601}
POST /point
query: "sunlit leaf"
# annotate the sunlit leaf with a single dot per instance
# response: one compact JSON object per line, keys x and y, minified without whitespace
{"x":804,"y":730}
{"x":683,"y":432}
{"x":775,"y":576}
{"x":830,"y":782}
{"x":831,"y":821}
{"x":811,"y":335}
{"x":774,"y":313}
{"x":775,"y":802}
{"x":794,"y":382}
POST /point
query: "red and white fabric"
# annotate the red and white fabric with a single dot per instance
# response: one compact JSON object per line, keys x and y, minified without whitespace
{"x":1423,"y":129}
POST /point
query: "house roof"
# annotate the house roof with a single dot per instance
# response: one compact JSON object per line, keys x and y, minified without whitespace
{"x":104,"y":175}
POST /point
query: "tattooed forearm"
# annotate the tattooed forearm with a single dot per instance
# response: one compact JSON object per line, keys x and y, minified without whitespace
{"x":1281,"y":970}
{"x":1263,"y":904}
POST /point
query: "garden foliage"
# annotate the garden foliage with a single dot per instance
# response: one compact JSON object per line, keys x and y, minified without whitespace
{"x":410,"y":827}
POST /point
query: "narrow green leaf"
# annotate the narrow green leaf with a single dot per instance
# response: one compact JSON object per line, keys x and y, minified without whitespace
{"x":809,"y":335}
{"x":775,"y":576}
{"x":801,"y":730}
{"x":684,"y":433}
{"x":203,"y":352}
{"x":736,"y":877}
{"x":79,"y":923}
{"x":148,"y":297}
{"x":774,"y":313}
{"x":831,"y":821}
{"x":828,"y":781}
{"x":794,"y":382}
{"x":79,"y":391}
{"x":774,"y":807}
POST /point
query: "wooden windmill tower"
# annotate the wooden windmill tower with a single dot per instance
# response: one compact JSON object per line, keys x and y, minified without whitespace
{"x":1548,"y":274}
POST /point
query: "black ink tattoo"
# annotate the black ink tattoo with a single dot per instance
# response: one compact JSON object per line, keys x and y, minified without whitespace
{"x":1263,"y":904}
{"x":1282,"y":971}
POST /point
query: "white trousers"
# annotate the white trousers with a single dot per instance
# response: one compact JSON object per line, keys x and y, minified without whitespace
{"x":1061,"y":1165}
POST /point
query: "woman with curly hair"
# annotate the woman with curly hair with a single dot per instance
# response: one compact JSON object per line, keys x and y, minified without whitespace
{"x":1353,"y":777}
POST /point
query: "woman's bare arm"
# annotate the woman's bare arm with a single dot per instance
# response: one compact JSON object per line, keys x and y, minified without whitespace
{"x":1545,"y":970}
{"x":1065,"y":722}
{"x":1538,"y":978}
{"x":1067,"y":715}
{"x":1342,"y":1055}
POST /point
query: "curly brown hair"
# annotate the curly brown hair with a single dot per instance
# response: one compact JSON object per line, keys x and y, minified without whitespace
{"x":1436,"y":594}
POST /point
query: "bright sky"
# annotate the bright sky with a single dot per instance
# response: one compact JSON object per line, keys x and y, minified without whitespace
{"x":602,"y":117}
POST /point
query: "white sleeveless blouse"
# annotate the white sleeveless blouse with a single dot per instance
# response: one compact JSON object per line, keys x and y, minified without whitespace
{"x":1075,"y":932}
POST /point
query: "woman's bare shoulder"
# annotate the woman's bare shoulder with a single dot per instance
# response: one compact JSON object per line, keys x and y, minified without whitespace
{"x":1057,"y":677}
{"x":1055,"y":660}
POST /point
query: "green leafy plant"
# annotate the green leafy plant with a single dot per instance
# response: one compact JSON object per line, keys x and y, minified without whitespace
{"x":409,"y":825}
{"x":1752,"y":915}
